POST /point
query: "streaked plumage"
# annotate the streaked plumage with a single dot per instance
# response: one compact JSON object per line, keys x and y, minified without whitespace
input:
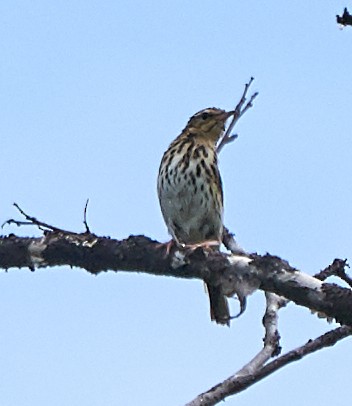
{"x":190,"y":190}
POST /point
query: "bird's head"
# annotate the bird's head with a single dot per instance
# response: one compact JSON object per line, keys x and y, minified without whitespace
{"x":209,"y":123}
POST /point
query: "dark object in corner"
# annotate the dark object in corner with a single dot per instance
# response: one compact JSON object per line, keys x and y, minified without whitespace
{"x":345,"y":19}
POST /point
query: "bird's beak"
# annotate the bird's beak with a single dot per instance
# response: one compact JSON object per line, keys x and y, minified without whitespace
{"x":224,"y":116}
{"x":230,"y":113}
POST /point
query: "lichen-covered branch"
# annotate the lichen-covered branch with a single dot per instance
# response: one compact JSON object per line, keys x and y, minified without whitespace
{"x":236,"y":274}
{"x":239,"y":382}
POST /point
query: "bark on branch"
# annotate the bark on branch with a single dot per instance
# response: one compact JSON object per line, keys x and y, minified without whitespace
{"x":236,"y":274}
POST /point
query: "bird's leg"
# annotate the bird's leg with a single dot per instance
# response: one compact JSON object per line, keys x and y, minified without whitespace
{"x":168,"y":246}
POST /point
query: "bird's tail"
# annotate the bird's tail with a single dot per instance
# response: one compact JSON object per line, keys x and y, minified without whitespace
{"x":219,"y":307}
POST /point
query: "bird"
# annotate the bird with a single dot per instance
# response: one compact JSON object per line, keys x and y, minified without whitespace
{"x":191,"y":194}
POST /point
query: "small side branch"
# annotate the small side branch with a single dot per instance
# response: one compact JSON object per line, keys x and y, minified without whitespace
{"x":238,"y":383}
{"x":85,"y":217}
{"x":32,"y":221}
{"x":337,"y":268}
{"x":272,"y":337}
{"x":239,"y":112}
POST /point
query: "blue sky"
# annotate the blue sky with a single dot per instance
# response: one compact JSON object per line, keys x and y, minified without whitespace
{"x":91,"y":94}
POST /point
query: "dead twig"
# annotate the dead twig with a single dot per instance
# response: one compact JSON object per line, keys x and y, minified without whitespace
{"x":33,"y":221}
{"x":239,"y":111}
{"x":337,"y":268}
{"x":85,"y":217}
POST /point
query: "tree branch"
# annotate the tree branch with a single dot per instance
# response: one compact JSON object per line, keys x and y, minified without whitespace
{"x":236,"y":274}
{"x":239,"y":381}
{"x":271,"y":340}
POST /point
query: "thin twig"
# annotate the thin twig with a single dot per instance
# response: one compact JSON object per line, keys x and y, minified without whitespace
{"x":85,"y":217}
{"x":33,"y":221}
{"x":337,"y":268}
{"x":239,"y":111}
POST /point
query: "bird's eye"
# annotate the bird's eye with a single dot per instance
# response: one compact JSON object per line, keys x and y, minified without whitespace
{"x":205,"y":116}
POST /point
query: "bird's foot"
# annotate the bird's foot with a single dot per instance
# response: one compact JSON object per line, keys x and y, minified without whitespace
{"x":204,"y":244}
{"x":167,"y":245}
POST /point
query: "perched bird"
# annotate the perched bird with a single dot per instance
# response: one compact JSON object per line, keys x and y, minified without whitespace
{"x":190,"y":191}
